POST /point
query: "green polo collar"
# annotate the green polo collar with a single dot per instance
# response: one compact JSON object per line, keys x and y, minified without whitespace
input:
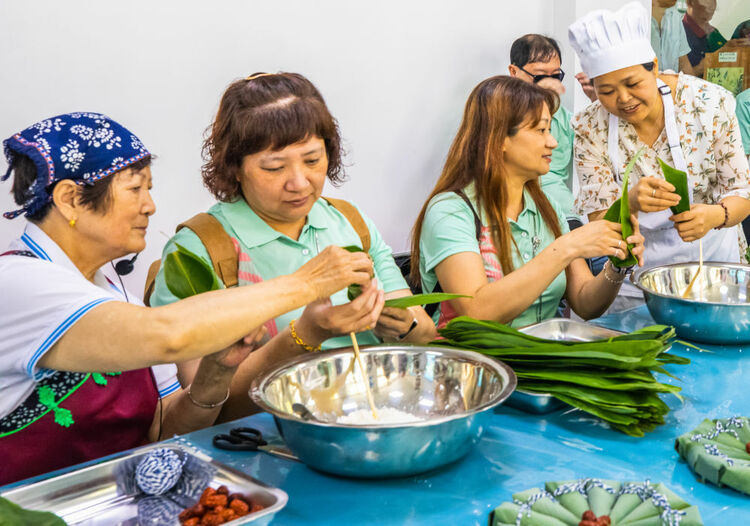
{"x":528,"y":203}
{"x":252,"y":231}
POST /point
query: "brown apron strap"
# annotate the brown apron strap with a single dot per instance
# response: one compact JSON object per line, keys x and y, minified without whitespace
{"x":218,"y":244}
{"x":153,"y":270}
{"x":350,"y":212}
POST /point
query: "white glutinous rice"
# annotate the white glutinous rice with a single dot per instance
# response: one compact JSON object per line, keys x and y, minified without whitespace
{"x":386,"y":415}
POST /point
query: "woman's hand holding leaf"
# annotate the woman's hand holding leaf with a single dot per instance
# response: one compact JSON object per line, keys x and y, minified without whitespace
{"x":393,"y":322}
{"x":596,"y":238}
{"x":334,"y":269}
{"x":233,"y":356}
{"x":636,"y":240}
{"x":652,"y":194}
{"x":321,"y":320}
{"x":698,"y":221}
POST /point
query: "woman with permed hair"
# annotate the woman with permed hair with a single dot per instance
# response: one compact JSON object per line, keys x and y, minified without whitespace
{"x":267,"y":157}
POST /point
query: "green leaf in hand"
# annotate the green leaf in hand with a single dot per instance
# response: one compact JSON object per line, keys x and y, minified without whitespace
{"x":421,"y":299}
{"x":678,"y":179}
{"x":619,"y":212}
{"x":187,"y":274}
{"x":353,"y":291}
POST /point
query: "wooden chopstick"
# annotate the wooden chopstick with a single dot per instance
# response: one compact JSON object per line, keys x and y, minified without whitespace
{"x":697,"y":272}
{"x":365,"y":378}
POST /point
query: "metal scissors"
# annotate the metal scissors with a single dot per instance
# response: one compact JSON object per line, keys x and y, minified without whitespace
{"x":249,"y":439}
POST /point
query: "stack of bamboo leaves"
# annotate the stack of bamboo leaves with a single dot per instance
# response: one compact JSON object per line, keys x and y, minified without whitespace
{"x":612,"y":379}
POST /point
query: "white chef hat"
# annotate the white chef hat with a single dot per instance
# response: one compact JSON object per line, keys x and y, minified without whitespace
{"x":606,"y":41}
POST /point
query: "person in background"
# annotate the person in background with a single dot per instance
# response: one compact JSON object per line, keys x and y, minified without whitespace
{"x":701,"y":35}
{"x":489,"y":232}
{"x":668,"y":37}
{"x":271,"y":149}
{"x":687,"y":122}
{"x":537,"y":59}
{"x":85,"y":369}
{"x":742,"y":32}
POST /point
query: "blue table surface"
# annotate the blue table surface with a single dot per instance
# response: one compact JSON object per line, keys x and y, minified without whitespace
{"x":519,"y":451}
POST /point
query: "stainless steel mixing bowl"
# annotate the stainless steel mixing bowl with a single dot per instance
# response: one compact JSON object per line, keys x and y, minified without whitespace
{"x":450,"y":390}
{"x":717,"y":309}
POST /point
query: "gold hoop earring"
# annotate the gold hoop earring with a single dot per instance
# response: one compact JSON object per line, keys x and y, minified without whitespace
{"x":72,"y":223}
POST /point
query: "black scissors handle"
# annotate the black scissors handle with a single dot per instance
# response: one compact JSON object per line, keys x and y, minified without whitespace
{"x":240,"y":439}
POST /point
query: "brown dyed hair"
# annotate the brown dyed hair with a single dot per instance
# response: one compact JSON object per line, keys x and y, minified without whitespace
{"x":266,"y":111}
{"x":497,"y":108}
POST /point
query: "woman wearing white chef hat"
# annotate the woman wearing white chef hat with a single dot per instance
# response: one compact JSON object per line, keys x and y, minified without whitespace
{"x":687,"y":122}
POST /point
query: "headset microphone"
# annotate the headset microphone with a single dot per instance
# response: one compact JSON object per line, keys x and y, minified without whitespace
{"x":125,"y":266}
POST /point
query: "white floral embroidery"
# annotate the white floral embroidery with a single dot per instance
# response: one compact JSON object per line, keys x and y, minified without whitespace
{"x":78,"y":115}
{"x":46,"y":126}
{"x":104,"y":136}
{"x":71,"y":156}
{"x":84,"y":132}
{"x":136,"y":144}
{"x":117,"y":160}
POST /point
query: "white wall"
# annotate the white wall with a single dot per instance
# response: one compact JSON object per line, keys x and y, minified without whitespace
{"x":395,"y":73}
{"x":729,"y":14}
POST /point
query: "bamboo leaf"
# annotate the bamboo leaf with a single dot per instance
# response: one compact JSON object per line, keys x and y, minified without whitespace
{"x":186,"y":274}
{"x":619,"y":212}
{"x":609,"y":378}
{"x":422,"y":299}
{"x":12,"y":514}
{"x":353,"y":290}
{"x":678,"y":179}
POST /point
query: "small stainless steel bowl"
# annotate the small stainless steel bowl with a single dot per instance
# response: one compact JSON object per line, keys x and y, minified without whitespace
{"x":717,"y":309}
{"x":450,"y":390}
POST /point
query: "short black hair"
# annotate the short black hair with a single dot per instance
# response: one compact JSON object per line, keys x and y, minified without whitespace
{"x":95,"y":196}
{"x":533,"y":48}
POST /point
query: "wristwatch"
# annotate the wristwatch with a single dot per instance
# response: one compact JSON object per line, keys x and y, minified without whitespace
{"x":414,"y":323}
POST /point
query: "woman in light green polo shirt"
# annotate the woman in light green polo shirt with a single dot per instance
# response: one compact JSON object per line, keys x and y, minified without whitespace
{"x":488,"y":231}
{"x":270,"y":150}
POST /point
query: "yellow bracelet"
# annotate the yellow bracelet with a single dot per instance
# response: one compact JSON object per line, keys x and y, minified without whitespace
{"x":298,"y":340}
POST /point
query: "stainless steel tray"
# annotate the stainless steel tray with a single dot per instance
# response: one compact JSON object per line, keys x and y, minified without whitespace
{"x":555,"y":329}
{"x":569,"y":330}
{"x":105,"y":493}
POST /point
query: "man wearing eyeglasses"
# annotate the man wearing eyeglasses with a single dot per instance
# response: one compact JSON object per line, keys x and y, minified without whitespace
{"x":536,"y":59}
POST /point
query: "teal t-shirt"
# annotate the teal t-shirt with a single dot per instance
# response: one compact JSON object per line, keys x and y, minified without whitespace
{"x":271,"y":253}
{"x":449,"y":229}
{"x":556,"y":184}
{"x":743,"y":117}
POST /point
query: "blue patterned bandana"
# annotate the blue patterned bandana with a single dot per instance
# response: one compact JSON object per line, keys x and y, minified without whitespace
{"x":84,"y":147}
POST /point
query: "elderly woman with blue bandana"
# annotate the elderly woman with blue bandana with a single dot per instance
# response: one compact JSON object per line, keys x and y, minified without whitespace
{"x":83,"y":364}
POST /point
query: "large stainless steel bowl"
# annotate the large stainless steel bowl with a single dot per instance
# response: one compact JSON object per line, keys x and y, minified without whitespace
{"x":717,"y":309}
{"x":451,"y":390}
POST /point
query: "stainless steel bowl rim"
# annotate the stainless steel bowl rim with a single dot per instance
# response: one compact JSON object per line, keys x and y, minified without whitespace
{"x":256,"y":388}
{"x":635,"y":277}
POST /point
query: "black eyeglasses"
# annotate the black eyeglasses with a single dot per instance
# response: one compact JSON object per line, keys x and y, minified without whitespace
{"x":536,"y":78}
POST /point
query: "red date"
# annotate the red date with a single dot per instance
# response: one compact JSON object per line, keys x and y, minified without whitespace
{"x":217,"y":506}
